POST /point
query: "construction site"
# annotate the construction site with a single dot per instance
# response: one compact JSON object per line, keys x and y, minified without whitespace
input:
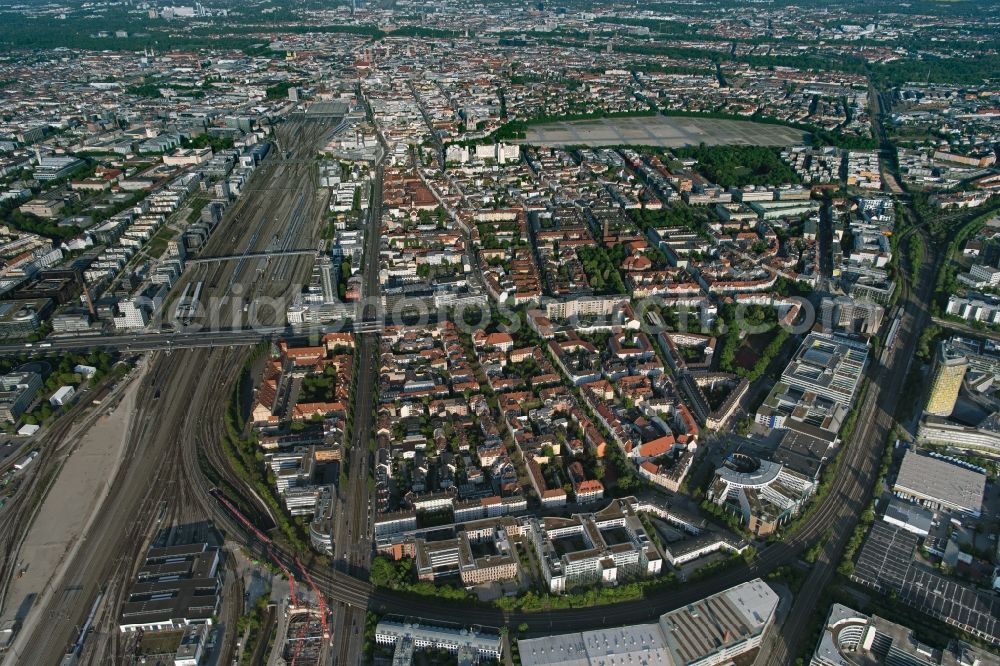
{"x":299,"y":638}
{"x":302,"y":632}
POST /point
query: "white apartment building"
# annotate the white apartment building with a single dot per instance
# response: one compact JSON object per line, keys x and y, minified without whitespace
{"x":975,"y":307}
{"x":452,"y":639}
{"x":130,"y":317}
{"x":604,"y":547}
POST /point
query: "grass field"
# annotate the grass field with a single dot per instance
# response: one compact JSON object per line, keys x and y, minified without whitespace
{"x":158,"y":243}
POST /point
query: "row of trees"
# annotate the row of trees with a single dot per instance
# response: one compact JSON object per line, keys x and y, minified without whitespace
{"x":319,"y":387}
{"x":27,"y":32}
{"x":216,"y":143}
{"x":344,"y":274}
{"x":251,"y":624}
{"x":400,"y":575}
{"x":738,"y":334}
{"x":280,"y":90}
{"x":960,"y":71}
{"x":247,"y":461}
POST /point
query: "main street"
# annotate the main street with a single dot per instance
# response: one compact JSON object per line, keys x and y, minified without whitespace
{"x":836,"y":514}
{"x":352,"y":546}
{"x":831,"y":522}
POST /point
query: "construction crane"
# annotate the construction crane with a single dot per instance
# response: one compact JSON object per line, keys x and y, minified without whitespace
{"x":298,"y":643}
{"x":288,"y":575}
{"x":300,"y":638}
{"x":319,"y":597}
{"x":263,"y":538}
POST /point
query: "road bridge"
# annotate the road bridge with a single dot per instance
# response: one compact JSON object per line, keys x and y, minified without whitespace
{"x":252,"y":255}
{"x":154,"y":341}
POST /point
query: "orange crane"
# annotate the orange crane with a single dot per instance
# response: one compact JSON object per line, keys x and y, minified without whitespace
{"x":284,"y":568}
{"x":298,"y":643}
{"x":319,"y":597}
{"x":263,"y":538}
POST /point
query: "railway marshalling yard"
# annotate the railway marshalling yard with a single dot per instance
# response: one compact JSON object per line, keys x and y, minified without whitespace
{"x":177,"y":427}
{"x":280,"y":211}
{"x":174,"y":421}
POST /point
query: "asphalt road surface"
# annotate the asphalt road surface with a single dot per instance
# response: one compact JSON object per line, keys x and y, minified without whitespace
{"x":859,"y":470}
{"x":874,"y":423}
{"x":352,"y":537}
{"x":185,"y":422}
{"x":666,"y":131}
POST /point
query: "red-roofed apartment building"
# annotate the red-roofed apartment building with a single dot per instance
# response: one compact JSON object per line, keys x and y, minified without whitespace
{"x":654,"y":448}
{"x":584,"y":489}
{"x":548,"y":497}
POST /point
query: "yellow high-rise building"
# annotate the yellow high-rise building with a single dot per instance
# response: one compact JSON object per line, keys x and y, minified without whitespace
{"x":946,"y":380}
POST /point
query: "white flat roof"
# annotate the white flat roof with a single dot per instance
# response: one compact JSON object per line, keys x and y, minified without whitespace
{"x":755,"y":600}
{"x":648,"y":644}
{"x":941,"y":482}
{"x":641,"y":645}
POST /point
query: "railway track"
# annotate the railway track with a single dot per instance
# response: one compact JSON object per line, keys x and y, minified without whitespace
{"x":54,"y":448}
{"x":173,"y":434}
{"x":874,"y":424}
{"x":107,"y":646}
{"x":168,"y":507}
{"x":182,"y":493}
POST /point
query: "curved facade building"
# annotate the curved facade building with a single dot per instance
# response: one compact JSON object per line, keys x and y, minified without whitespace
{"x":764,"y":493}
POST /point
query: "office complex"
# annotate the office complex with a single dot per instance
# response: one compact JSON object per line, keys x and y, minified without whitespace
{"x":605,"y":547}
{"x":850,"y":637}
{"x":946,"y":380}
{"x":17,"y":391}
{"x":763,"y":493}
{"x":827,"y":365}
{"x":480,"y":554}
{"x":983,"y":437}
{"x":51,"y":168}
{"x":22,"y":317}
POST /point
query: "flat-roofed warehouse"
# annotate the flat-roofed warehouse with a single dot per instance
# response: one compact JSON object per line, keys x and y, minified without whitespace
{"x":714,"y":630}
{"x":939,"y":484}
{"x":176,"y":586}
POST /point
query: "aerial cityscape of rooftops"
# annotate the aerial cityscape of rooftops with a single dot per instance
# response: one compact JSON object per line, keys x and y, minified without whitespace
{"x":598,"y":332}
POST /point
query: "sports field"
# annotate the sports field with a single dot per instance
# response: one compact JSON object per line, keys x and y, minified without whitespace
{"x":665,"y":131}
